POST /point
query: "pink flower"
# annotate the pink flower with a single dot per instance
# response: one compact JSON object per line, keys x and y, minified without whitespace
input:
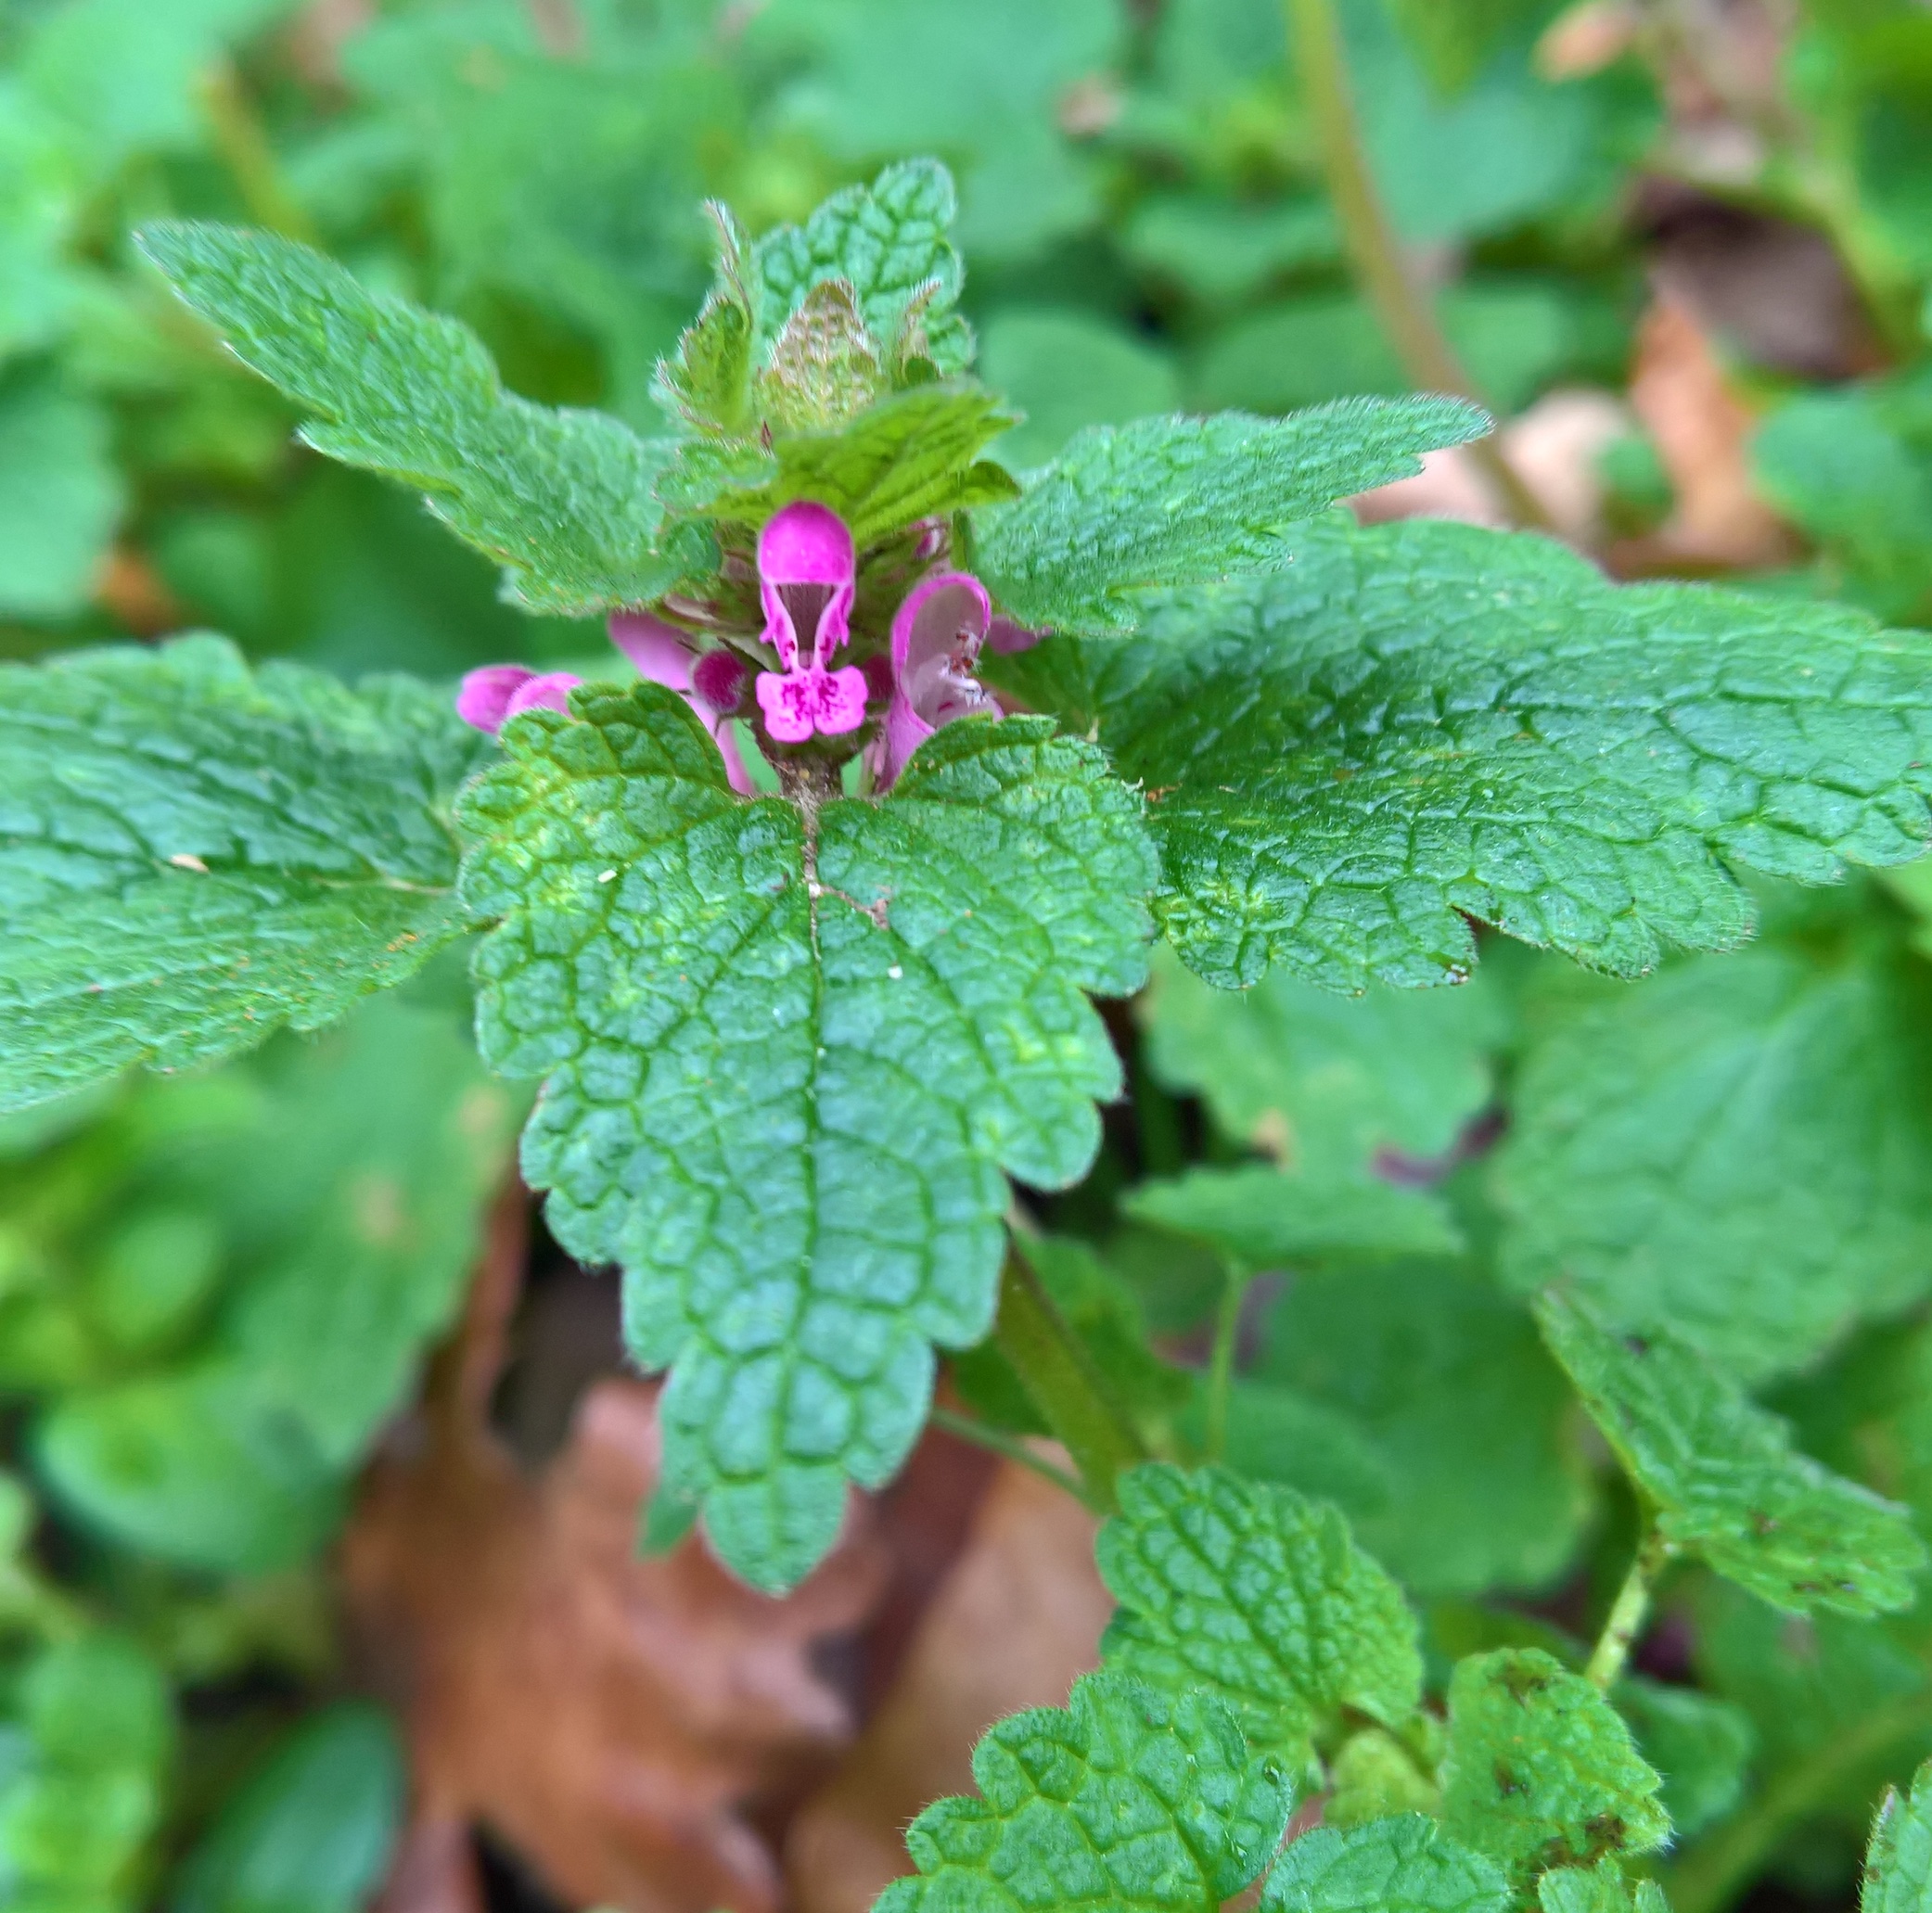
{"x":489,"y":697}
{"x":712,"y":683}
{"x":806,"y":573}
{"x":936,"y":638}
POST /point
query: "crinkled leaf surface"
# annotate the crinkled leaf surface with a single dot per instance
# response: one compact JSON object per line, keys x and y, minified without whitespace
{"x":1897,"y":1877}
{"x":1325,"y":1082}
{"x":1126,"y":1799}
{"x":1258,"y":1595}
{"x":1418,"y":722}
{"x":1738,"y":1153}
{"x":193,"y":853}
{"x":1263,"y":1219}
{"x":1540,"y":1769}
{"x":785,"y":1069}
{"x":911,"y":456}
{"x":1403,"y":1864}
{"x":890,"y":242}
{"x":1724,"y":1480}
{"x":1599,"y":1889}
{"x":563,"y":500}
{"x":1169,"y":502}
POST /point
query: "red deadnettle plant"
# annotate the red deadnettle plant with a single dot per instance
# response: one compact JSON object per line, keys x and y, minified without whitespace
{"x":797,"y":913}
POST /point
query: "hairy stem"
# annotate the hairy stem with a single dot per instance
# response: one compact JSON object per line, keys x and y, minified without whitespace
{"x":1221,"y":1363}
{"x":244,"y":145}
{"x":1382,"y":270}
{"x":1625,"y":1620}
{"x":997,"y":1442}
{"x":1719,"y":1868}
{"x":1060,"y":1377}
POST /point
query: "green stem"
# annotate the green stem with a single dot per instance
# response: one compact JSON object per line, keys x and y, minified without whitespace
{"x":1719,"y":1868}
{"x":1059,"y":1376}
{"x":1221,"y":1363}
{"x":995,"y":1441}
{"x":1382,"y":269}
{"x":249,"y":158}
{"x":1625,"y":1621}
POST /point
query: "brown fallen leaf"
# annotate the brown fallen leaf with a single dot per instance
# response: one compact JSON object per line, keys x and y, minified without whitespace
{"x":1553,"y":448}
{"x":1701,"y":429}
{"x":1016,"y":1619}
{"x":614,"y":1721}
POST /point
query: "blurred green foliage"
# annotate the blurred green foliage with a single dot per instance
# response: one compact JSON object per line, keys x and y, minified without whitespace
{"x":216,"y":1290}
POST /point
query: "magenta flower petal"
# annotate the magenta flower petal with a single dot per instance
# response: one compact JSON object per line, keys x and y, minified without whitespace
{"x":806,"y":568}
{"x":545,"y":691}
{"x":718,"y":680}
{"x":797,"y":703}
{"x":936,"y":638}
{"x":664,"y":654}
{"x":483,"y":697}
{"x":661,"y":650}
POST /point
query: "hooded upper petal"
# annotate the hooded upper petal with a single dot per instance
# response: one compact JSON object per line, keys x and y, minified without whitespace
{"x":806,"y":569}
{"x":937,"y":635}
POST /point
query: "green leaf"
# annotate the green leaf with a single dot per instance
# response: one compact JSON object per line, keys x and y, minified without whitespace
{"x":1326,"y":1083}
{"x":1064,"y":368}
{"x":1404,"y":1864}
{"x":1126,"y":1800}
{"x":1599,"y":1889}
{"x":1723,"y":1477}
{"x":353,"y":1187}
{"x":1507,"y":146}
{"x":984,"y":85}
{"x":312,"y":1832}
{"x":565,"y":501}
{"x":1223,"y":250}
{"x":60,"y":497}
{"x":1449,"y":1386}
{"x":1540,"y":1769}
{"x":1103,"y":1311}
{"x":1261,"y":1218}
{"x":787,"y":1062}
{"x":1253,"y":1593}
{"x":193,"y":853}
{"x":197,"y":1466}
{"x":81,"y":1774}
{"x":890,"y":243}
{"x":1898,"y":1876}
{"x":1701,"y":1746}
{"x":1169,"y":502}
{"x":1822,"y":1682}
{"x":1739,"y":1153}
{"x":1278,"y":1434}
{"x":1515,"y":336}
{"x":1423,"y":722}
{"x":1845,"y":466}
{"x":915,"y":455}
{"x":122,"y":75}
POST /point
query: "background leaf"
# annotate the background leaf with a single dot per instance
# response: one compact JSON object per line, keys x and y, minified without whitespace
{"x":193,"y":854}
{"x":1723,"y":1479}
